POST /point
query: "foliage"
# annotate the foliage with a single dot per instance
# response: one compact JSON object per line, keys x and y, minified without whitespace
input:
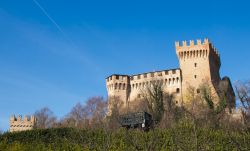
{"x":153,"y":95}
{"x":179,"y":137}
{"x":243,"y":93}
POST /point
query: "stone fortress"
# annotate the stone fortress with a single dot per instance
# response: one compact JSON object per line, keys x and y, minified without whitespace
{"x":19,"y":124}
{"x":199,"y":62}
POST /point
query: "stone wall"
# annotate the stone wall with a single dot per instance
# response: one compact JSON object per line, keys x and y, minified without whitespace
{"x":19,"y":124}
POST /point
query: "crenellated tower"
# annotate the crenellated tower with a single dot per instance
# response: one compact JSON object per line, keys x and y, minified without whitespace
{"x":19,"y":124}
{"x":199,"y":63}
{"x":118,"y":87}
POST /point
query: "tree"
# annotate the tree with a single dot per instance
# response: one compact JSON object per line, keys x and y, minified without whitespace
{"x":96,"y":108}
{"x":202,"y":105}
{"x":243,"y":94}
{"x":153,"y":95}
{"x":91,"y":114}
{"x":76,"y":118}
{"x":45,"y":118}
{"x":115,"y":106}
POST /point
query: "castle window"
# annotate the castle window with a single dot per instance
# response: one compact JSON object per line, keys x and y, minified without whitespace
{"x":115,"y":86}
{"x":195,"y":64}
{"x":195,"y":76}
{"x":123,"y":86}
{"x":178,"y":90}
{"x":177,"y":80}
{"x":145,"y":75}
{"x":166,"y":72}
{"x":198,"y":90}
{"x":120,"y":86}
{"x":111,"y":78}
{"x":152,"y":74}
{"x":117,"y":77}
{"x":176,"y":102}
{"x":139,"y":77}
{"x":173,"y":71}
{"x":133,"y":86}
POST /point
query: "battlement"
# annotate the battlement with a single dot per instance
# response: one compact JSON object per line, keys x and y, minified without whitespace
{"x":196,"y":49}
{"x":117,"y":77}
{"x":155,"y":74}
{"x":20,"y":119}
{"x":192,"y":43}
{"x":21,"y":124}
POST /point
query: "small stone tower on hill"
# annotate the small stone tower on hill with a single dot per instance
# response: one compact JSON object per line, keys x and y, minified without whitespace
{"x":19,"y":124}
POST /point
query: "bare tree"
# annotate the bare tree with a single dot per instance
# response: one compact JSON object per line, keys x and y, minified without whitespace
{"x":76,"y":118}
{"x":96,"y":108}
{"x":153,"y":95}
{"x":243,"y":94}
{"x":115,"y":106}
{"x":45,"y":118}
{"x":171,"y":111}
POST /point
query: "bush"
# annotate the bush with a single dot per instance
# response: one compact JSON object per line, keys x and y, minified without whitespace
{"x":182,"y":136}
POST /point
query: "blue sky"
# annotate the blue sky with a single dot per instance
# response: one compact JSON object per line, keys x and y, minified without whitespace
{"x":59,"y":54}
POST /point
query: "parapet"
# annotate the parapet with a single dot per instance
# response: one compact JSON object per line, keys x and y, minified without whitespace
{"x":22,"y":124}
{"x":192,"y":43}
{"x":196,"y":48}
{"x":19,"y":118}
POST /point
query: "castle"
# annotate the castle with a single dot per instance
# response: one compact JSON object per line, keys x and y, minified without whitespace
{"x":199,"y":62}
{"x":19,"y":124}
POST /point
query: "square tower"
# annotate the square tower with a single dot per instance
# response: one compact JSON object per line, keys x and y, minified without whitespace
{"x":199,"y":63}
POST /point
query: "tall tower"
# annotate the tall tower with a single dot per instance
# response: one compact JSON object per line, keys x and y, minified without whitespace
{"x":118,"y":87}
{"x":199,"y":62}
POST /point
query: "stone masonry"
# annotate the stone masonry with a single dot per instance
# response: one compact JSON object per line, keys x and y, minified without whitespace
{"x":19,"y":124}
{"x":199,"y":62}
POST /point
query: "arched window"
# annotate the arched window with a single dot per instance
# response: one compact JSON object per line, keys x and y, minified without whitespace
{"x":115,"y":86}
{"x":124,"y":86}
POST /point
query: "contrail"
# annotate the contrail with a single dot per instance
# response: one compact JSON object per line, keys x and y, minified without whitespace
{"x":50,"y":18}
{"x":85,"y":59}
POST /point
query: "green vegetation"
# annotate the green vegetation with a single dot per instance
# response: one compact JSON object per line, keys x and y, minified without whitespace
{"x":178,"y":137}
{"x":200,"y":125}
